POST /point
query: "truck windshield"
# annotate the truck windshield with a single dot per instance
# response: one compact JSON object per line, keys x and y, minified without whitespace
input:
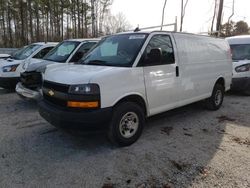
{"x":116,"y":50}
{"x":62,"y":51}
{"x":25,"y":52}
{"x":240,"y":52}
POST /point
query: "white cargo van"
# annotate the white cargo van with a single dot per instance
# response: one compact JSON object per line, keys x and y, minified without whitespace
{"x":130,"y":76}
{"x":68,"y":51}
{"x":240,"y":48}
{"x":11,"y":68}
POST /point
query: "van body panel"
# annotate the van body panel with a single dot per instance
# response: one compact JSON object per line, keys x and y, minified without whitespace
{"x":241,"y":80}
{"x":201,"y":62}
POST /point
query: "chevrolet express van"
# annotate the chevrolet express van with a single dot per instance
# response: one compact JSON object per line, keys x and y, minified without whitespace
{"x":130,"y":76}
{"x":240,"y":48}
{"x":68,"y":51}
{"x":11,"y":68}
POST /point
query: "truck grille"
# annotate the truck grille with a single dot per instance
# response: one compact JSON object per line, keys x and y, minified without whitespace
{"x":31,"y":79}
{"x":55,"y":87}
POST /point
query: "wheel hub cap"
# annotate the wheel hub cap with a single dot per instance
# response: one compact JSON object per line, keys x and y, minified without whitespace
{"x":129,"y":124}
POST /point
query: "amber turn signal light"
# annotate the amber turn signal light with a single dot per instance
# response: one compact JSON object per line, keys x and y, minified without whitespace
{"x":76,"y":104}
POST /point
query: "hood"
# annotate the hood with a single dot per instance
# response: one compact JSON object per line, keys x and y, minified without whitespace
{"x":4,"y":55}
{"x":237,"y":64}
{"x":75,"y":74}
{"x":37,"y":65}
{"x":9,"y":61}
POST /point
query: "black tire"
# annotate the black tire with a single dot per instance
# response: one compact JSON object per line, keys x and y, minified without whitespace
{"x":213,"y":103}
{"x":247,"y":92}
{"x":120,"y":112}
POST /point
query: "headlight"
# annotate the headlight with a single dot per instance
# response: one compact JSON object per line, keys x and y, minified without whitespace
{"x":87,"y":89}
{"x":243,"y":68}
{"x":25,"y":65}
{"x":10,"y":68}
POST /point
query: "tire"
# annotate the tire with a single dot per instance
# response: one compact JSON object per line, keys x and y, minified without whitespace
{"x":247,"y":92}
{"x":127,"y":124}
{"x":216,"y":100}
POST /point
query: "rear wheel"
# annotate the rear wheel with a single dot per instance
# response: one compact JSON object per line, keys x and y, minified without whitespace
{"x":216,"y":100}
{"x":127,"y":124}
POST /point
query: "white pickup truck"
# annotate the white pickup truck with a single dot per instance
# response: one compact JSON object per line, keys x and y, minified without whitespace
{"x":130,"y":76}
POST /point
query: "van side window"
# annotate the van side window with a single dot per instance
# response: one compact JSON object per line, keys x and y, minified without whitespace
{"x":82,"y":51}
{"x":42,"y":53}
{"x":158,"y":52}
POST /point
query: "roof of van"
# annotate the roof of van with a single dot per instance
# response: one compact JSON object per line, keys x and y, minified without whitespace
{"x":46,"y":43}
{"x":85,"y":39}
{"x":154,"y":31}
{"x":241,"y":39}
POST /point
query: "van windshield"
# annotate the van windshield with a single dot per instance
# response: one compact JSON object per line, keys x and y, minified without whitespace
{"x":25,"y":52}
{"x":240,"y":52}
{"x":117,"y":50}
{"x":62,"y":51}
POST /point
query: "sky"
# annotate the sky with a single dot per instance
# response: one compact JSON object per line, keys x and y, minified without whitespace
{"x":198,"y":17}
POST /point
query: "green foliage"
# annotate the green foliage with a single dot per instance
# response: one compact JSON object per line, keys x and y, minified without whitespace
{"x":234,"y":28}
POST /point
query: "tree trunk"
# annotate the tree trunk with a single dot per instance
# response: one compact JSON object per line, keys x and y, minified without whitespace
{"x":218,"y":25}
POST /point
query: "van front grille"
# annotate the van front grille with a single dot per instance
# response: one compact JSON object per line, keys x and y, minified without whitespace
{"x":56,"y":86}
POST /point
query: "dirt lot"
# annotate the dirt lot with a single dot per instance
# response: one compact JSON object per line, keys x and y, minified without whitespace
{"x":187,"y":147}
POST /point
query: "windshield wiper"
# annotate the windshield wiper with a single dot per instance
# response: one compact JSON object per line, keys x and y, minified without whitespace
{"x":96,"y":62}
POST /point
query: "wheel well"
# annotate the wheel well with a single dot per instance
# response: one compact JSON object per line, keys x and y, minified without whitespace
{"x":221,"y":81}
{"x":136,"y":99}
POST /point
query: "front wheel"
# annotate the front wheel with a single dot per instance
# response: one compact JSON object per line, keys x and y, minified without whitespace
{"x":127,"y":124}
{"x":216,"y":100}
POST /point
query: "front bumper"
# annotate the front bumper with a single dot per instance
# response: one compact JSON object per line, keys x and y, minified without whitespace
{"x":69,"y":118}
{"x":240,"y":84}
{"x":28,"y":93}
{"x":9,"y":82}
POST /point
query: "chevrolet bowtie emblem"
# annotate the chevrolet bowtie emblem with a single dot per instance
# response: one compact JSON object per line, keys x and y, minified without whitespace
{"x":51,"y":93}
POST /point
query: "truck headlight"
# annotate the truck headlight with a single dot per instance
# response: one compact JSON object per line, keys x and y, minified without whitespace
{"x":87,"y":89}
{"x":10,"y":68}
{"x":243,"y":68}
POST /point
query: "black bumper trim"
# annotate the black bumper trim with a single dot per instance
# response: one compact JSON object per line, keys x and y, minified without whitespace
{"x":240,"y":84}
{"x":9,"y":82}
{"x":65,"y":118}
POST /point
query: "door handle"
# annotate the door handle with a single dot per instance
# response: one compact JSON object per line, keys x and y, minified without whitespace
{"x":177,"y":71}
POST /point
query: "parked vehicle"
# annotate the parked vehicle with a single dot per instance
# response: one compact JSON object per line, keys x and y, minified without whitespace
{"x":130,"y":76}
{"x":4,"y":56}
{"x":240,"y":48}
{"x":68,"y":51}
{"x":10,"y":68}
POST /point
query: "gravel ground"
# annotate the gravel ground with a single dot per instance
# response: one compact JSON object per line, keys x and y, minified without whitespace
{"x":187,"y":147}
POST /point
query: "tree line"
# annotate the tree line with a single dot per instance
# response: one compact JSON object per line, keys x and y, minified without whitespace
{"x":26,"y":21}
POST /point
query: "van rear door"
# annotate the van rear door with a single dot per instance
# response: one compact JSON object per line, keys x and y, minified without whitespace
{"x":160,"y":74}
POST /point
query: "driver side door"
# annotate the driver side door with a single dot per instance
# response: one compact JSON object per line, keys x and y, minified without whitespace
{"x":161,"y":75}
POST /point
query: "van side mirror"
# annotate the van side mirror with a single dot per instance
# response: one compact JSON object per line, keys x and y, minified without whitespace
{"x":155,"y":55}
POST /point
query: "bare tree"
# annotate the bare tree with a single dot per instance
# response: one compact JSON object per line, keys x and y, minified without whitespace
{"x":183,"y":11}
{"x":219,"y":17}
{"x":214,"y":15}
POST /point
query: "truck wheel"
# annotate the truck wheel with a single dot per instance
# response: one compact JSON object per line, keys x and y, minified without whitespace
{"x":216,"y":100}
{"x":247,"y":92}
{"x":127,"y":124}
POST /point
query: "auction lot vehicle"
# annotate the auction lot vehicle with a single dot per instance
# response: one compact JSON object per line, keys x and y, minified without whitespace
{"x":10,"y":68}
{"x":4,"y":56}
{"x":130,"y":76}
{"x":68,"y":51}
{"x":240,"y":48}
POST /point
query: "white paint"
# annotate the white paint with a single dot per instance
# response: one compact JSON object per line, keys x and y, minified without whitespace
{"x":201,"y":60}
